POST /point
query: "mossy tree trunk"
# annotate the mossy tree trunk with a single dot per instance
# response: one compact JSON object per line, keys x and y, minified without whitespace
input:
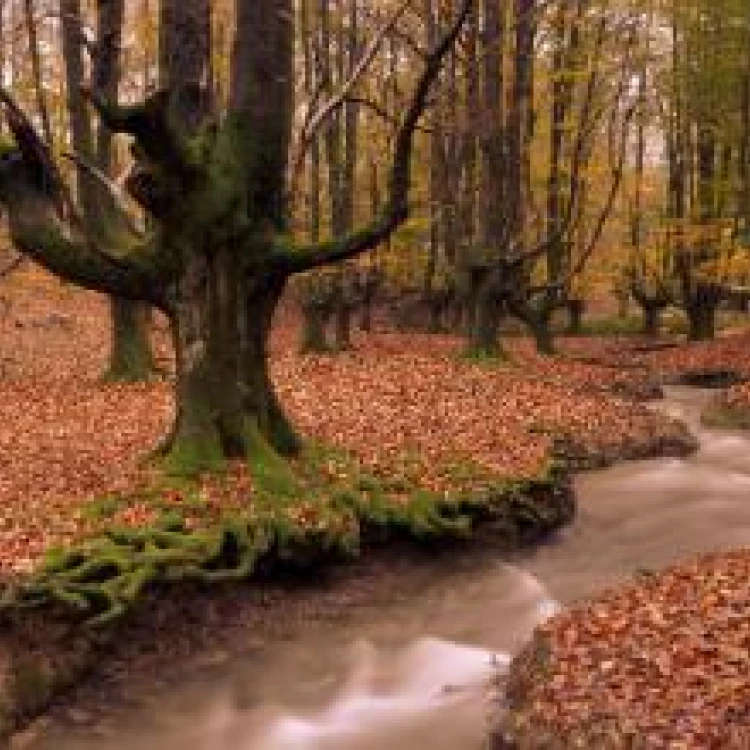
{"x":216,"y":254}
{"x":130,"y":358}
{"x":228,"y":404}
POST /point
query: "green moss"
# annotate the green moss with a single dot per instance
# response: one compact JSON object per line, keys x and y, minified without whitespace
{"x":723,"y":416}
{"x":102,"y":508}
{"x":272,"y":473}
{"x":313,"y":510}
{"x":494,"y":357}
{"x":191,"y":456}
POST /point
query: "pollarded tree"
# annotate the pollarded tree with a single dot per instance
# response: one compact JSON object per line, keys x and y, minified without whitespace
{"x":217,"y":255}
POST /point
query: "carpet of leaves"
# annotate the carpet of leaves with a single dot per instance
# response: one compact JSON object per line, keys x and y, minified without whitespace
{"x":399,"y":403}
{"x":729,"y":353}
{"x":664,"y":659}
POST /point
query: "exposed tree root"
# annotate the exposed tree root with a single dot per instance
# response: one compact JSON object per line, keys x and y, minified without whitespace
{"x":101,"y":580}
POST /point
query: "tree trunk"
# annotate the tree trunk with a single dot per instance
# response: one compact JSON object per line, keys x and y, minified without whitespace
{"x":483,"y":338}
{"x":228,"y":404}
{"x":544,"y":340}
{"x":651,"y":320}
{"x":576,"y":311}
{"x":315,"y":318}
{"x":130,"y":359}
{"x":436,"y":307}
{"x":344,"y":324}
{"x":701,"y":322}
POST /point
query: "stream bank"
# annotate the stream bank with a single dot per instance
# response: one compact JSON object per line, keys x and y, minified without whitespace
{"x":47,"y":650}
{"x":169,"y":635}
{"x":643,"y":658}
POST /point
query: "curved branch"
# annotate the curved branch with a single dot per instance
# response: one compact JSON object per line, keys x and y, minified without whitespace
{"x":45,"y":227}
{"x":396,"y":211}
{"x":39,"y":233}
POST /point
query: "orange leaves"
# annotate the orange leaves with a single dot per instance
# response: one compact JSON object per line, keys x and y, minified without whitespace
{"x":64,"y":438}
{"x":407,"y":403}
{"x":667,"y":655}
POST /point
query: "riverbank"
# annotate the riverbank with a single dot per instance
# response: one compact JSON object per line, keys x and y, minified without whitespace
{"x":413,"y":444}
{"x":658,"y":663}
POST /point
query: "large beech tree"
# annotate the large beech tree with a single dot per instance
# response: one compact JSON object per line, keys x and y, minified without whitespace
{"x":216,"y":254}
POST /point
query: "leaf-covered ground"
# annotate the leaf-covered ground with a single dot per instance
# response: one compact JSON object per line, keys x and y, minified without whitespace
{"x":403,"y":406}
{"x":406,"y":411}
{"x":659,"y":663}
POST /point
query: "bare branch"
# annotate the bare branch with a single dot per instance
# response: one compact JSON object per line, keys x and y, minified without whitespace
{"x":396,"y":211}
{"x":313,"y":122}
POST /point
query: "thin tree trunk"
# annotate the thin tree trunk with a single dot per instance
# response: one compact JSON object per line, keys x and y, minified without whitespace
{"x":36,"y":68}
{"x":130,"y":357}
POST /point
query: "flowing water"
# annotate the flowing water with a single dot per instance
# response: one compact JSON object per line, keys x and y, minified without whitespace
{"x":413,"y":675}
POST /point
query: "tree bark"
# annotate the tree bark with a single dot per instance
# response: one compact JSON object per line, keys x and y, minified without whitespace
{"x":701,"y":320}
{"x":130,"y":359}
{"x":576,"y":310}
{"x":228,"y":404}
{"x":483,"y":332}
{"x":651,"y":320}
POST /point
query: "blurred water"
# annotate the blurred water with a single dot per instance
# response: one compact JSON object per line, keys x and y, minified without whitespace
{"x":413,"y":675}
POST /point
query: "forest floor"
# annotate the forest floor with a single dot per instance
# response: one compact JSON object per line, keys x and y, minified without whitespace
{"x":405,"y":407}
{"x":660,"y":662}
{"x":406,"y":410}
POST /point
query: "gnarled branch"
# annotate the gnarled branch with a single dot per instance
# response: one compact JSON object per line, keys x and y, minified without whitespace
{"x":45,"y":226}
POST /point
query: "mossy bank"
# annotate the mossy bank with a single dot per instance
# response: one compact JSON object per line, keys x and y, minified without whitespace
{"x":60,"y":623}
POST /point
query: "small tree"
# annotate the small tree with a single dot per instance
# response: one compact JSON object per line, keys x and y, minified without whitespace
{"x":217,"y":254}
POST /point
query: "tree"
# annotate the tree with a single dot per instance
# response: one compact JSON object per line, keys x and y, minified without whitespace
{"x":528,"y":260}
{"x":706,"y":98}
{"x":130,"y":357}
{"x":216,"y":255}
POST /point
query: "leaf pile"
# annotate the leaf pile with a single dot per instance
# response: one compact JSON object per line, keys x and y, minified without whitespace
{"x":411,"y":395}
{"x":661,"y":663}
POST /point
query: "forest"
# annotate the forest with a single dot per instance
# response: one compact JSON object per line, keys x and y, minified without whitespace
{"x":374,"y":374}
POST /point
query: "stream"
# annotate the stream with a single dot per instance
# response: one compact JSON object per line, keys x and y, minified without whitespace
{"x":413,"y":674}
